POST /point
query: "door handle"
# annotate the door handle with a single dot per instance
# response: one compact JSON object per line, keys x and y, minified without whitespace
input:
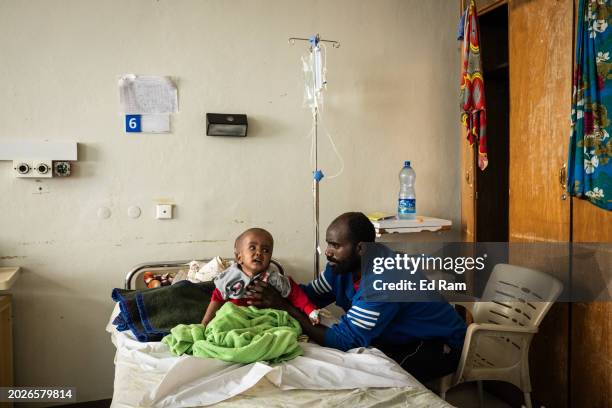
{"x":563,"y":176}
{"x":563,"y":181}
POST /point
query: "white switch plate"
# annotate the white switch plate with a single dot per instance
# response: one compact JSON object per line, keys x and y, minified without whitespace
{"x":163,"y":212}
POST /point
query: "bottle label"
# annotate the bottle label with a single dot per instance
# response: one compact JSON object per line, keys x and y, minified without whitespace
{"x":406,"y":206}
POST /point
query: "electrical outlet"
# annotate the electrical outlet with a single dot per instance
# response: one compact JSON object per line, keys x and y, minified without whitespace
{"x":163,"y":212}
{"x":33,"y":168}
{"x":61,"y":168}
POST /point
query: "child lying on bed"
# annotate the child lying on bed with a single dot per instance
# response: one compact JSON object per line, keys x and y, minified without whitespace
{"x":253,"y":251}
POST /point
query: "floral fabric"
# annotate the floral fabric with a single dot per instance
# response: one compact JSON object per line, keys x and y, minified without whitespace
{"x":589,"y":165}
{"x":473,"y":114}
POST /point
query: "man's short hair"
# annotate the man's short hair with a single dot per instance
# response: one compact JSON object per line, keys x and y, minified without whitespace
{"x":359,"y":227}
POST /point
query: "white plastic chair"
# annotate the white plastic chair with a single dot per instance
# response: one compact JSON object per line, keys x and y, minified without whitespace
{"x":497,"y":344}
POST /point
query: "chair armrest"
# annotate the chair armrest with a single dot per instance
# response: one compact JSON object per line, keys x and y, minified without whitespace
{"x":474,"y":327}
{"x":470,"y":369}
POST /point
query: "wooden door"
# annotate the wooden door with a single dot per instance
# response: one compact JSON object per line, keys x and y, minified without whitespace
{"x":468,"y":190}
{"x":591,"y":367}
{"x":540,"y":58}
{"x":540,"y":53}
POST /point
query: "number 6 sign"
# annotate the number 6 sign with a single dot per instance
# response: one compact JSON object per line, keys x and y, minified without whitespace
{"x":133,"y":123}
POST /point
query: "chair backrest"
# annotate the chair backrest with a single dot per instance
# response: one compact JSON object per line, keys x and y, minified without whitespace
{"x":518,"y":296}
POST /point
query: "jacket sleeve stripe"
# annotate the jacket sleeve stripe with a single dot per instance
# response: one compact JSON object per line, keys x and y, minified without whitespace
{"x":325,"y":282}
{"x":356,"y":323}
{"x":322,"y":286}
{"x":369,"y":324}
{"x":375,"y":314}
{"x":363,"y":316}
{"x":316,"y":287}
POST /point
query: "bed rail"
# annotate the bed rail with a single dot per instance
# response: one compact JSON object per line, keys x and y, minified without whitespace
{"x":175,"y":265}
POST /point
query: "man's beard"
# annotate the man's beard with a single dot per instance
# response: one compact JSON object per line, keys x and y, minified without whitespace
{"x":346,"y":266}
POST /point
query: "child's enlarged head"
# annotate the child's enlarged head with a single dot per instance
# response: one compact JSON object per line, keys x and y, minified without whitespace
{"x":253,"y":249}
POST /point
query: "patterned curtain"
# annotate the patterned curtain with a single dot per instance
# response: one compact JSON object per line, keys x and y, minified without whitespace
{"x":473,"y":113}
{"x":589,"y":165}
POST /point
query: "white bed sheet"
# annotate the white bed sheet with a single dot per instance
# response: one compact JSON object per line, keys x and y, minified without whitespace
{"x":148,"y":375}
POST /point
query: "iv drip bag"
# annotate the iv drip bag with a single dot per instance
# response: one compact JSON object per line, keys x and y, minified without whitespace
{"x":318,"y":69}
{"x":314,"y":77}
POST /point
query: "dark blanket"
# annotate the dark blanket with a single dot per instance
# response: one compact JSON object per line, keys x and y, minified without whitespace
{"x":151,"y":313}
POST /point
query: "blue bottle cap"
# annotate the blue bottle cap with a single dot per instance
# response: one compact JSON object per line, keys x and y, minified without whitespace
{"x":407,"y":163}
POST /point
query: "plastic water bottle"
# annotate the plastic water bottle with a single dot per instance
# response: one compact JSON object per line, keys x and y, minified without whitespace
{"x":406,"y":204}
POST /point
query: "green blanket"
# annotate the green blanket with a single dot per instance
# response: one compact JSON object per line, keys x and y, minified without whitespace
{"x":241,"y":335}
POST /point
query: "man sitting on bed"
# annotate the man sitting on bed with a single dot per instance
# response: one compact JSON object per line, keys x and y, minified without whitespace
{"x":425,"y":338}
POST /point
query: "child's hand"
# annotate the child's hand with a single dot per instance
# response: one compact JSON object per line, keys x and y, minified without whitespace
{"x":314,"y":317}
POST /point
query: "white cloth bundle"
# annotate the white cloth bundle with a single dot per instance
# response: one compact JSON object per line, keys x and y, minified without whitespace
{"x":203,"y":272}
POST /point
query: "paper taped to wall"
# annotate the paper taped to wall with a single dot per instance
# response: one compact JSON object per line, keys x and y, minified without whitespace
{"x":155,"y":123}
{"x":147,"y":94}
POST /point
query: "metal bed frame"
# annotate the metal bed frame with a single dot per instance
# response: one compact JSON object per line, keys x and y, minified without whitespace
{"x":141,"y":268}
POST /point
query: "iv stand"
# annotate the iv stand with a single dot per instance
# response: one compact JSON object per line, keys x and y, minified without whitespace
{"x":317,"y":174}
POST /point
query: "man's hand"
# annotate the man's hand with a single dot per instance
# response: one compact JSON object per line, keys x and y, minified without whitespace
{"x":262,"y":295}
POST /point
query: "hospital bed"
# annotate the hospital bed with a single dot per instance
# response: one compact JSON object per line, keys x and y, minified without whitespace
{"x":148,"y":375}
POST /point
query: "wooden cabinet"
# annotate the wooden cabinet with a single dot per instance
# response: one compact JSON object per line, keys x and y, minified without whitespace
{"x":486,"y":5}
{"x":6,"y":341}
{"x":540,"y":52}
{"x":591,"y":333}
{"x":570,"y":356}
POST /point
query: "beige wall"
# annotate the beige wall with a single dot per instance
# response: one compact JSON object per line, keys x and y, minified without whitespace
{"x":392,"y":96}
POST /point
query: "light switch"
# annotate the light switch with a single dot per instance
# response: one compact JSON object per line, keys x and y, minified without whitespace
{"x":164,"y":212}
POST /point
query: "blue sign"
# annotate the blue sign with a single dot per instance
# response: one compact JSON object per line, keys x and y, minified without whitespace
{"x":133,"y":123}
